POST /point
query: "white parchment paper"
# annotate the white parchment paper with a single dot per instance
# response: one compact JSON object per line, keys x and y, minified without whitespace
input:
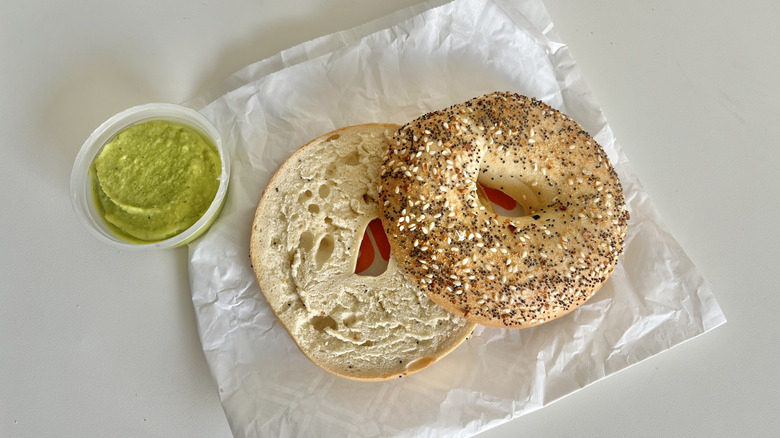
{"x":654,"y":300}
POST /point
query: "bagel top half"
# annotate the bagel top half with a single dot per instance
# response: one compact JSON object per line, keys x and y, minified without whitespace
{"x":496,"y":270}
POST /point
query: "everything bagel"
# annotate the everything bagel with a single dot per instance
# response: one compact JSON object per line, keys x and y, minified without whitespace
{"x":495,"y":270}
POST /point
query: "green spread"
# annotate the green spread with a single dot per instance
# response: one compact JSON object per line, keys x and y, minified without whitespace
{"x":155,"y":179}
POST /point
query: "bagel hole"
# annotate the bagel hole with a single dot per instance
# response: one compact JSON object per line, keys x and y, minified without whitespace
{"x":307,"y":241}
{"x":373,"y":251}
{"x":502,"y":203}
{"x":320,"y":323}
{"x":324,"y":250}
{"x":324,"y":191}
{"x":305,"y":196}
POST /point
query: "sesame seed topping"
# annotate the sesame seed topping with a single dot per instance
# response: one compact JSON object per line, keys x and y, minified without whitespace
{"x":443,"y":207}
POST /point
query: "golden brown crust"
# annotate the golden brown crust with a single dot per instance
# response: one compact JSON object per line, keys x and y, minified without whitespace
{"x":502,"y":271}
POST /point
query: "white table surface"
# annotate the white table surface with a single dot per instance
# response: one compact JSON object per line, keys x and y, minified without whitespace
{"x":98,"y":342}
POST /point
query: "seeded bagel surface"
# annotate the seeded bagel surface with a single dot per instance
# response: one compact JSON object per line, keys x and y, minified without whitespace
{"x":495,"y":270}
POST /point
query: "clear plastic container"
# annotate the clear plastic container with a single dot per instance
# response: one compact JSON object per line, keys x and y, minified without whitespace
{"x":81,"y":189}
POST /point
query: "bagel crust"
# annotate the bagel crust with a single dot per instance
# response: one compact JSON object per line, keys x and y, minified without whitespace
{"x":495,"y":270}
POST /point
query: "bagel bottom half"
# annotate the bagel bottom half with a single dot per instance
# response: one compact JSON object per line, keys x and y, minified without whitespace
{"x":304,"y":245}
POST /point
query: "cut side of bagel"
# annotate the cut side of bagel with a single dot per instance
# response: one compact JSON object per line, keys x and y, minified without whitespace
{"x":304,"y":245}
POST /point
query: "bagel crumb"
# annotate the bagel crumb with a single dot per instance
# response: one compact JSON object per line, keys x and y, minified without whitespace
{"x":359,"y":327}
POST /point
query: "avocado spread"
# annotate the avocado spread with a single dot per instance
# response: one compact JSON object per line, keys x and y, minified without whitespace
{"x":155,"y":179}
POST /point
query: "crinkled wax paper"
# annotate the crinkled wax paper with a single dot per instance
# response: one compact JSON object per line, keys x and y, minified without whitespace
{"x":433,"y":58}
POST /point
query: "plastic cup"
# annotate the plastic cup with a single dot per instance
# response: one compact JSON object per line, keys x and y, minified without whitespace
{"x":81,"y":188}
